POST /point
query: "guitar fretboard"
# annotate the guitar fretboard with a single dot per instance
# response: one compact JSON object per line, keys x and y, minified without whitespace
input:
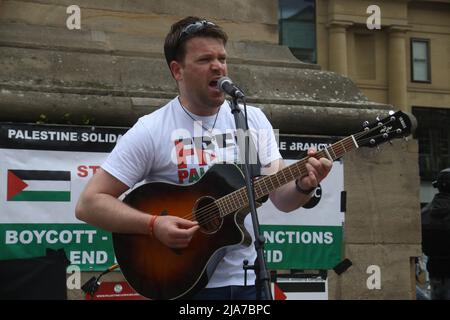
{"x":263,"y":186}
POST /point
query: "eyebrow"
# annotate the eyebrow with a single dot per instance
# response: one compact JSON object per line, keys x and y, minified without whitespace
{"x":207,"y":55}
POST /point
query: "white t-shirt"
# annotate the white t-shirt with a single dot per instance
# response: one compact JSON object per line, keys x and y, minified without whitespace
{"x":167,"y":145}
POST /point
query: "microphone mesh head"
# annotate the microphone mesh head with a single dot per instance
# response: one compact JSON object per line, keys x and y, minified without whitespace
{"x":222,"y":81}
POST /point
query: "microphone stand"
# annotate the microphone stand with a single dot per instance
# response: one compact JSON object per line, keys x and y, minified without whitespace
{"x":262,"y":276}
{"x":92,"y":285}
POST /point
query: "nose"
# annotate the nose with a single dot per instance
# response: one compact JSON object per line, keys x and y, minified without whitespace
{"x":218,"y":65}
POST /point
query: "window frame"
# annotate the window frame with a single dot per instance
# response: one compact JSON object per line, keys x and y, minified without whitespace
{"x":428,"y":53}
{"x":315,"y":58}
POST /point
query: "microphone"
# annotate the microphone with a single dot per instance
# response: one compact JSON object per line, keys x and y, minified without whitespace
{"x":226,"y":85}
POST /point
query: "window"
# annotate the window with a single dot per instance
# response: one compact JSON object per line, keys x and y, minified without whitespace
{"x":420,"y":60}
{"x":297,"y":28}
{"x":433,"y":133}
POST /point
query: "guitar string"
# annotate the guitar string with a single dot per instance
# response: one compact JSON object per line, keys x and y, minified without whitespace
{"x":209,"y":212}
{"x":211,"y":209}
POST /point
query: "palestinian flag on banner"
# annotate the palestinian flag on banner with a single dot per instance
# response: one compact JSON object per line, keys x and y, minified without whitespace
{"x":38,"y":185}
{"x":299,"y":290}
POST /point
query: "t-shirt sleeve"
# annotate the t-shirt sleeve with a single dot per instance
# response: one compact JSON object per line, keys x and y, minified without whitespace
{"x":131,"y":159}
{"x":267,"y":139}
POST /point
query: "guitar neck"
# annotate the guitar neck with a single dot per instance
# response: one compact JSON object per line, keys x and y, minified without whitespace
{"x":263,"y":186}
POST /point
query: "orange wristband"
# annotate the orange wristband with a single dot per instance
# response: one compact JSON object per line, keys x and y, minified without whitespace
{"x":152,"y":223}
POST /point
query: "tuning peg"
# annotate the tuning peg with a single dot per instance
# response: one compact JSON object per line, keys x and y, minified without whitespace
{"x":378,"y":118}
{"x":391,"y":112}
{"x":365,"y":125}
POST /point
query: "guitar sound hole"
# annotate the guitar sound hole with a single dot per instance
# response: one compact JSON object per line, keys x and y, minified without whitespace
{"x":207,"y":214}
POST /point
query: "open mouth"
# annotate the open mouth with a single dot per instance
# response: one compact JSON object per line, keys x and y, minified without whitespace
{"x":213,"y":84}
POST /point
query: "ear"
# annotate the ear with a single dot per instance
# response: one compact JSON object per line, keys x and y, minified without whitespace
{"x":177,"y":70}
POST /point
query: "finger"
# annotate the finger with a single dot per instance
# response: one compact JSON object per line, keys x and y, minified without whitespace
{"x":182,"y":241}
{"x":184,"y":223}
{"x":308,"y":181}
{"x":312,"y":152}
{"x":184,"y":233}
{"x":312,"y":168}
{"x":194,"y":229}
{"x":176,"y":242}
{"x":326,"y":163}
{"x":190,"y":232}
{"x":322,"y":166}
{"x":314,"y":163}
{"x":313,"y":179}
{"x":320,"y":171}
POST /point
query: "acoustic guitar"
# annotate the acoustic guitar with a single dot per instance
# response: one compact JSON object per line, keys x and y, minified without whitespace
{"x":218,"y":201}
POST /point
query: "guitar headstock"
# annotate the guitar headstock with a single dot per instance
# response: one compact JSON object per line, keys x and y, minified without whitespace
{"x":396,"y":125}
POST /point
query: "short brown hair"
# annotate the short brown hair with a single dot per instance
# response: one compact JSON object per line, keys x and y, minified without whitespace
{"x":175,"y":43}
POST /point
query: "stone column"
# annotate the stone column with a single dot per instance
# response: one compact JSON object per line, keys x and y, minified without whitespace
{"x":397,"y":75}
{"x":337,"y":52}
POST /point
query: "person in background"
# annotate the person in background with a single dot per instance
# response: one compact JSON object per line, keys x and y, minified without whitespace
{"x":436,"y":237}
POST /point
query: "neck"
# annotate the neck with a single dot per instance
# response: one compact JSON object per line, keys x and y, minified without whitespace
{"x":263,"y":186}
{"x":202,"y":111}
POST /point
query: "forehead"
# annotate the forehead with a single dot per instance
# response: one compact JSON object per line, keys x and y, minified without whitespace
{"x":204,"y":45}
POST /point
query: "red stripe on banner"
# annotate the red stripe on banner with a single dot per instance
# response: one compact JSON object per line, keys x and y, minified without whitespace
{"x":278,"y":293}
{"x":15,"y":185}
